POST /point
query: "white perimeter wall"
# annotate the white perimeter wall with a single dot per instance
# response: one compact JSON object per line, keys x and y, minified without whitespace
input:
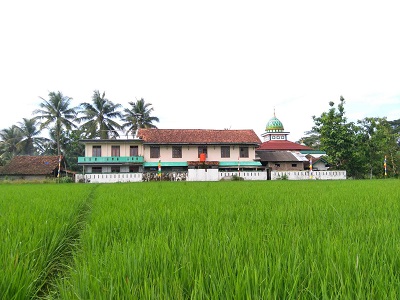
{"x":215,"y":175}
{"x":109,"y":178}
{"x":306,"y":175}
{"x":202,"y":175}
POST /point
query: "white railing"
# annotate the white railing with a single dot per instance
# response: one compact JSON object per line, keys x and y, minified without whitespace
{"x":109,"y":178}
{"x":247,"y":175}
{"x":215,"y":175}
{"x":307,"y":175}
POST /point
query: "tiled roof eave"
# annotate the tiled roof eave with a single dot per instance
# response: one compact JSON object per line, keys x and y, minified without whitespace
{"x":201,"y":143}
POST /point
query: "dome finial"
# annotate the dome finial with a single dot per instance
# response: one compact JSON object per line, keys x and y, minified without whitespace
{"x":274,"y":112}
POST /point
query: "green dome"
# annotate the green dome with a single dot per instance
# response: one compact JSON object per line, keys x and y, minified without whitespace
{"x":274,"y":125}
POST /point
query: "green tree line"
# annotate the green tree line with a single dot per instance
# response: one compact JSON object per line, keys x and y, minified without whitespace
{"x":359,"y":147}
{"x":66,"y":125}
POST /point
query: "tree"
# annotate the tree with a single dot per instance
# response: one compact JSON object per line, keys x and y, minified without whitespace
{"x":98,"y":117}
{"x":338,"y":138}
{"x":74,"y":148}
{"x":10,"y":137}
{"x":312,"y":140}
{"x":30,"y":142}
{"x":395,"y":124}
{"x":379,"y":140}
{"x":56,"y":111}
{"x":139,"y":116}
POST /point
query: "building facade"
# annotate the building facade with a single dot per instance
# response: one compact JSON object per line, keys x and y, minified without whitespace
{"x":169,"y":154}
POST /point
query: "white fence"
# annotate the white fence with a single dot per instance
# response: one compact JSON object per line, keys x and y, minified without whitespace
{"x":250,"y":175}
{"x":216,"y":175}
{"x":307,"y":175}
{"x":109,"y":178}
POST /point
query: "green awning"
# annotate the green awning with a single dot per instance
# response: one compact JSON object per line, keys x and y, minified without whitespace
{"x":240,"y":163}
{"x":312,"y":152}
{"x":149,"y":164}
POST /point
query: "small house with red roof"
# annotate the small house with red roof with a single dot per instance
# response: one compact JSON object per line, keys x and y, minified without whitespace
{"x":33,"y":167}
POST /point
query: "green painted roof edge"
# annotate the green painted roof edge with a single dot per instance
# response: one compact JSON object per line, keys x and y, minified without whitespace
{"x":312,"y":152}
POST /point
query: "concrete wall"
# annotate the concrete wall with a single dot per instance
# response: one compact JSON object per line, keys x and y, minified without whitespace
{"x":106,"y":147}
{"x":320,"y":166}
{"x":306,"y":175}
{"x":26,"y":177}
{"x":202,"y":175}
{"x":287,"y":166}
{"x":215,"y":175}
{"x":109,"y":178}
{"x":190,"y":153}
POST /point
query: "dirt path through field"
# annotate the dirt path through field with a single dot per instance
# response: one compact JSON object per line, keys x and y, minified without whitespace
{"x":61,"y":258}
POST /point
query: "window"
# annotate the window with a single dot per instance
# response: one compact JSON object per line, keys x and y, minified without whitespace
{"x":277,"y":165}
{"x":115,"y":169}
{"x":177,"y":151}
{"x":244,"y":151}
{"x":154,"y":151}
{"x":133,"y":151}
{"x":114,"y":150}
{"x":96,"y":170}
{"x":294,"y":165}
{"x":225,"y":151}
{"x":133,"y":169}
{"x":202,"y":149}
{"x":96,"y":151}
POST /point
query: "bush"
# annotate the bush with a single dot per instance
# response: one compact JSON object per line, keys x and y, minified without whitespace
{"x":66,"y":179}
{"x":237,"y":178}
{"x":283,"y":177}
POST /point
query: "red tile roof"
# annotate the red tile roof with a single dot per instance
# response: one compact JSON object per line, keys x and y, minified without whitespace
{"x":282,"y":145}
{"x":198,"y":136}
{"x":31,"y":165}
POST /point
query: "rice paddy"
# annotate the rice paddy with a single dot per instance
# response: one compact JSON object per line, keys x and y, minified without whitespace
{"x":201,"y":240}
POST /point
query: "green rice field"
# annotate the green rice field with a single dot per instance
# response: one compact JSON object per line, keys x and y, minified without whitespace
{"x":201,"y":240}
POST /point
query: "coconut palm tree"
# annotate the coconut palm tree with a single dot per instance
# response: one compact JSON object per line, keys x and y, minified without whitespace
{"x":30,"y":142}
{"x":10,"y":137}
{"x":99,"y":115}
{"x":139,"y":116}
{"x":57,"y":113}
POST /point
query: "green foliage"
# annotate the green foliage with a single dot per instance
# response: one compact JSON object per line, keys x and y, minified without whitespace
{"x":337,"y":137}
{"x":283,"y":177}
{"x":65,"y":179}
{"x":56,"y":114}
{"x":36,"y":221}
{"x":358,"y":148}
{"x":9,"y":140}
{"x":378,"y":140}
{"x":139,"y":116}
{"x":237,"y":178}
{"x":98,"y":117}
{"x":201,"y":240}
{"x":312,"y":140}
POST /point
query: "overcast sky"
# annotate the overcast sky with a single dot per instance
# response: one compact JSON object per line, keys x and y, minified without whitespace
{"x":204,"y":64}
